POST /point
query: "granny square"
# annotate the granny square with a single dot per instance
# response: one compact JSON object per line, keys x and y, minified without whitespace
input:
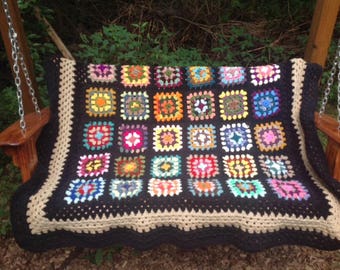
{"x":201,"y":137}
{"x":133,"y":138}
{"x":246,"y":188}
{"x":278,"y":166}
{"x":81,"y":190}
{"x":266,"y":103}
{"x":168,"y":77}
{"x":265,"y":74}
{"x":240,"y":166}
{"x":164,"y":188}
{"x":270,"y":136}
{"x":167,"y":138}
{"x":135,"y":76}
{"x":233,"y":104}
{"x":130,"y":167}
{"x":102,"y":73}
{"x":93,"y":165}
{"x":166,"y":166}
{"x":142,"y":156}
{"x":122,"y":189}
{"x":229,"y":76}
{"x":200,"y":76}
{"x":98,"y":135}
{"x":134,"y":105}
{"x":100,"y":101}
{"x":201,"y":105}
{"x":202,"y":166}
{"x":236,"y":137}
{"x":168,"y":107}
{"x":205,"y":187}
{"x":289,"y":190}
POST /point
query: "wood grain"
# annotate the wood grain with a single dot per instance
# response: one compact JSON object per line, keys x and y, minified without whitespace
{"x":321,"y":31}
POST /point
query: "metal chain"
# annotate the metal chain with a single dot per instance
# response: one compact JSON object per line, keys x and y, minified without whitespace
{"x":18,"y":58}
{"x":330,"y":82}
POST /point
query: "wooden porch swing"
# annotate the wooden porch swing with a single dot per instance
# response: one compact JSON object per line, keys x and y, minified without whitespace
{"x":22,"y":148}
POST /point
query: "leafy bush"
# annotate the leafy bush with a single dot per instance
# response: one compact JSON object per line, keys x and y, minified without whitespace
{"x":115,"y":44}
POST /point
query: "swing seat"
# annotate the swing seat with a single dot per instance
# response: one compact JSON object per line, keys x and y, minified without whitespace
{"x":183,"y":155}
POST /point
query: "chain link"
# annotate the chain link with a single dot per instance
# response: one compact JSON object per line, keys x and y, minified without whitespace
{"x":330,"y":80}
{"x":335,"y":69}
{"x":18,"y":59}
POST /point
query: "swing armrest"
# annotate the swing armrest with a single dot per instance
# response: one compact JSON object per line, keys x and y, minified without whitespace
{"x":329,"y":126}
{"x":13,"y":136}
{"x":21,"y":147}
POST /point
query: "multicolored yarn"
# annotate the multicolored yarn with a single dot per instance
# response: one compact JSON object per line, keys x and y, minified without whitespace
{"x":81,"y":190}
{"x":246,"y":188}
{"x":168,"y":107}
{"x":201,"y":137}
{"x":166,"y":166}
{"x":266,"y":103}
{"x":164,"y":188}
{"x":205,"y":188}
{"x":233,"y":105}
{"x":270,"y":136}
{"x":168,"y":77}
{"x":98,"y":135}
{"x":167,"y":138}
{"x":133,"y":138}
{"x":135,"y":76}
{"x":102,"y":73}
{"x":230,"y":76}
{"x":122,"y":189}
{"x":140,"y":156}
{"x":100,"y":102}
{"x":200,"y":76}
{"x":201,"y":105}
{"x":134,"y":106}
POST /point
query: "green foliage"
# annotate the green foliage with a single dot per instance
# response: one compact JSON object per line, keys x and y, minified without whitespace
{"x":115,"y":44}
{"x":244,"y":49}
{"x":9,"y":182}
{"x":102,"y":255}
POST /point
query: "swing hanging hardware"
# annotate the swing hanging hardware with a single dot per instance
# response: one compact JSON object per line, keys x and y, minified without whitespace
{"x":335,"y":70}
{"x":19,"y":63}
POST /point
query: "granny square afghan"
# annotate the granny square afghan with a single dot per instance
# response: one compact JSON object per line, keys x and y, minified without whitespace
{"x":139,"y":155}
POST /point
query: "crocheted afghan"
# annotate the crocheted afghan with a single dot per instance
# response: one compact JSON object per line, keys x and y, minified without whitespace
{"x":140,"y":156}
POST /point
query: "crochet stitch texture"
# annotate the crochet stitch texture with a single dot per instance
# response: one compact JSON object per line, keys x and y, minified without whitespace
{"x":141,"y":155}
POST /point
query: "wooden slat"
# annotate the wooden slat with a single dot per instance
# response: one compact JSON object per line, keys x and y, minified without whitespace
{"x":324,"y":19}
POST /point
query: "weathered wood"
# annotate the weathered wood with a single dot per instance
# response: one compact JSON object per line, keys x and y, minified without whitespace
{"x":13,"y":136}
{"x":321,"y":31}
{"x":329,"y":126}
{"x":22,"y":41}
{"x":333,"y":157}
{"x":22,"y":147}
